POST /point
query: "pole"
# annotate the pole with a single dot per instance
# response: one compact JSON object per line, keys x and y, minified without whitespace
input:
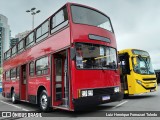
{"x":33,"y":21}
{"x":33,"y":13}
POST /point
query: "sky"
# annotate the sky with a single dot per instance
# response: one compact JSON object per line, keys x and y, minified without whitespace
{"x":136,"y":22}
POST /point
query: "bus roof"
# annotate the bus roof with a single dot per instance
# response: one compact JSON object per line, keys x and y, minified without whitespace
{"x":130,"y":51}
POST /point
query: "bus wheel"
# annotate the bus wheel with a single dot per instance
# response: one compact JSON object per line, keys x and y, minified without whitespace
{"x":43,"y":101}
{"x":14,"y":101}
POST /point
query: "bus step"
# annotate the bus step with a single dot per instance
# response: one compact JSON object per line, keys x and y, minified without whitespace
{"x":65,"y":102}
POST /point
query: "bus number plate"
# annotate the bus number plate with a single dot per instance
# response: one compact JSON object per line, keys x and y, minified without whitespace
{"x":152,"y":90}
{"x":105,"y":98}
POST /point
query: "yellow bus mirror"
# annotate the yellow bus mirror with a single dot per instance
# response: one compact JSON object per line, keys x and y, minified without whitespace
{"x":135,"y":61}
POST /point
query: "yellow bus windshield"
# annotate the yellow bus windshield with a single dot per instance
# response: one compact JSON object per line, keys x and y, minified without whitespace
{"x":143,"y":65}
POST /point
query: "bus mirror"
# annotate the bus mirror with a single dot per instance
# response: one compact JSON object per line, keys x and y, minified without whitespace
{"x":135,"y":61}
{"x":72,"y":53}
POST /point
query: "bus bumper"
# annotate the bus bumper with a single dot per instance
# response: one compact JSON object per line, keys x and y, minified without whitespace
{"x":85,"y":102}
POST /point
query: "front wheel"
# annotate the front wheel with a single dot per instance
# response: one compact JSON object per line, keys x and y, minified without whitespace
{"x":44,"y":101}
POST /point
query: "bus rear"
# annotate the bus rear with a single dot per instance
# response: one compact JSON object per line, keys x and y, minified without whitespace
{"x":137,"y":73}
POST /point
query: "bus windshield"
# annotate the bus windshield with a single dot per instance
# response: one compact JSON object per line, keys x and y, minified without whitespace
{"x":91,"y":56}
{"x":143,"y":65}
{"x":83,"y":15}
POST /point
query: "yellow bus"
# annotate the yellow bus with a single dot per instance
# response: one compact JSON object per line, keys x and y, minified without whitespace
{"x":136,"y":71}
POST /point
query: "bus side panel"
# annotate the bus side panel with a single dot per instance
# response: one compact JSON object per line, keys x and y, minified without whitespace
{"x":52,"y":44}
{"x":8,"y":85}
{"x":15,"y":85}
{"x":7,"y":88}
{"x":131,"y":83}
{"x":34,"y":84}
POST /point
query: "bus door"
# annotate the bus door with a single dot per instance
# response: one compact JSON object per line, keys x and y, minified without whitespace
{"x":60,"y":80}
{"x":23,"y":82}
{"x":124,"y":69}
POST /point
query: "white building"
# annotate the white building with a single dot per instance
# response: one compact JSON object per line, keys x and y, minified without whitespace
{"x":22,"y":34}
{"x":4,"y":36}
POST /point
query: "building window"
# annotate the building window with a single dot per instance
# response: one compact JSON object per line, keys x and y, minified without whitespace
{"x":42,"y":31}
{"x":20,"y":46}
{"x":42,"y":66}
{"x":30,"y":40}
{"x":31,"y":68}
{"x":59,"y":20}
{"x":14,"y":50}
{"x":13,"y":74}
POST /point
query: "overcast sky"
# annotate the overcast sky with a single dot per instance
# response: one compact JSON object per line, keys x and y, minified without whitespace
{"x":136,"y":22}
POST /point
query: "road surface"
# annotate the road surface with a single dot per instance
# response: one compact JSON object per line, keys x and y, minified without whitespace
{"x":142,"y":102}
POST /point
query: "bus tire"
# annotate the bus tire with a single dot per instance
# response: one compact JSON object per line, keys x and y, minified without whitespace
{"x":44,"y":101}
{"x":13,"y":98}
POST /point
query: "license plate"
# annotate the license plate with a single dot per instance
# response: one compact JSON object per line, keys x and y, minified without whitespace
{"x":152,"y":90}
{"x":105,"y":98}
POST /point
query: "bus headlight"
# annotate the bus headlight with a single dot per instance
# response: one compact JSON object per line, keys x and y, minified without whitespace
{"x":90,"y":92}
{"x":116,"y":89}
{"x":139,"y":82}
{"x":84,"y":93}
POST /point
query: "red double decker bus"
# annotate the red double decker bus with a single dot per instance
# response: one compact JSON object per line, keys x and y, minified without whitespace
{"x":68,"y":62}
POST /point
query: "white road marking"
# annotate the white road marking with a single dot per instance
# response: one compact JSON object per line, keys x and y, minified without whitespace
{"x":25,"y":109}
{"x":120,"y":104}
{"x":14,"y":106}
{"x":141,"y":93}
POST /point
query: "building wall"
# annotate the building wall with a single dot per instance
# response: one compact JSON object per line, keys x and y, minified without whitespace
{"x":4,"y":36}
{"x":13,"y":41}
{"x":1,"y":43}
{"x":22,"y":34}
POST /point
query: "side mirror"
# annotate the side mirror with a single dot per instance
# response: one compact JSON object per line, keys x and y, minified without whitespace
{"x":72,"y":53}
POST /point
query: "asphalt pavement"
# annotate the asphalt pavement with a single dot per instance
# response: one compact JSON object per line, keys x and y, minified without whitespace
{"x":142,"y":102}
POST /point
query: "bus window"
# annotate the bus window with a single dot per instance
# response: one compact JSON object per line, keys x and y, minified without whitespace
{"x":29,"y":40}
{"x":42,"y":31}
{"x":42,"y":66}
{"x":82,"y":15}
{"x":14,"y":50}
{"x":13,"y":74}
{"x":20,"y":46}
{"x":8,"y":54}
{"x":90,"y":56}
{"x":59,"y":20}
{"x":31,"y":69}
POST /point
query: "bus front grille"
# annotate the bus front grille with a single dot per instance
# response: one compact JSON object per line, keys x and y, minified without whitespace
{"x":149,"y":79}
{"x":103,"y":91}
